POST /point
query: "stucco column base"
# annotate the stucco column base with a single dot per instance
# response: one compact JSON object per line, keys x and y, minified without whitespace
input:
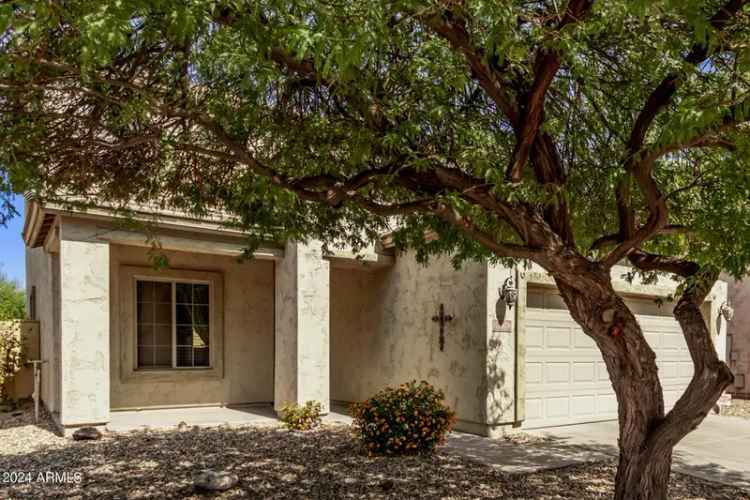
{"x":302,"y":371}
{"x":486,"y":430}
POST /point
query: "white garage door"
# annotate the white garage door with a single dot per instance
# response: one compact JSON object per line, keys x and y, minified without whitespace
{"x":566,"y":379}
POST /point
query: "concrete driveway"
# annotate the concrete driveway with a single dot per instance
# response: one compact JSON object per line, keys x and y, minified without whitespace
{"x":718,"y":450}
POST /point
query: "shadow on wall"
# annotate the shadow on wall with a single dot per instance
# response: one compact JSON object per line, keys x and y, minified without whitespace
{"x":500,"y":399}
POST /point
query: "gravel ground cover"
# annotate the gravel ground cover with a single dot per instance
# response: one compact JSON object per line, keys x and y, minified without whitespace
{"x":275,"y":463}
{"x":738,"y":408}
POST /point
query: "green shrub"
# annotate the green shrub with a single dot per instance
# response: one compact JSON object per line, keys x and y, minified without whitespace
{"x":408,"y":420}
{"x":302,"y":417}
{"x":11,"y":357}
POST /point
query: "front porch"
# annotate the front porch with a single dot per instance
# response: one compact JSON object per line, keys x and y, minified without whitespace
{"x":210,"y":416}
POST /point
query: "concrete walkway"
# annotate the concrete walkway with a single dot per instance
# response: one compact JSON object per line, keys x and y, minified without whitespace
{"x":163,"y":419}
{"x":718,"y":450}
{"x":514,"y":457}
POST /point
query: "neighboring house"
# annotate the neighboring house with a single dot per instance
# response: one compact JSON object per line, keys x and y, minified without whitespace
{"x":294,"y":325}
{"x":738,"y":339}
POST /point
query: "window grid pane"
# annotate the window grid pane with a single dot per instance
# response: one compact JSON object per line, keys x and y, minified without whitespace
{"x":154,"y":324}
{"x":158,"y":309}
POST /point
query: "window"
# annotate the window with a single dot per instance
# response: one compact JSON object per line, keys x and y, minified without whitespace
{"x":32,"y":303}
{"x":173,"y":326}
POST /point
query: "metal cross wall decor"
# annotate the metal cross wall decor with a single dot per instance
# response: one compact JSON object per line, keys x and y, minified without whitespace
{"x":442,"y":318}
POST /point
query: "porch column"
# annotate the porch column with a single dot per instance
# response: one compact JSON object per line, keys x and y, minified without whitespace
{"x":505,"y":352}
{"x":302,"y":370}
{"x":84,"y":326}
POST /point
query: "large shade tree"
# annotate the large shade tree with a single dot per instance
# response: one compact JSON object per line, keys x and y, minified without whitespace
{"x":575,"y":135}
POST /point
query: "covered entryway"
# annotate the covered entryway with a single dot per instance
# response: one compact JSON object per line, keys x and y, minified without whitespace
{"x":566,"y":379}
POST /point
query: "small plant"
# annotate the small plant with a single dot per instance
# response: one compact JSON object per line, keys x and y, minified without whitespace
{"x":412,"y":419}
{"x":302,"y":417}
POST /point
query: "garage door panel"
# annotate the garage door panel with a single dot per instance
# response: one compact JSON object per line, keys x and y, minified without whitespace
{"x":669,"y":370}
{"x":557,"y":338}
{"x":534,"y":337}
{"x":606,"y":404}
{"x":534,"y":373}
{"x":566,"y":379}
{"x":584,"y":371}
{"x":534,"y":408}
{"x":583,"y":405}
{"x":557,"y":407}
{"x":557,"y":373}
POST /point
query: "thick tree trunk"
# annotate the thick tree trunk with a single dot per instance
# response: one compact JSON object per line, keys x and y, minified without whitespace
{"x":643,"y":476}
{"x":647,"y":435}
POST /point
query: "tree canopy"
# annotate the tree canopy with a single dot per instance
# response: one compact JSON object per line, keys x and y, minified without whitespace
{"x":624,"y":122}
{"x":575,"y":134}
{"x":12,"y":300}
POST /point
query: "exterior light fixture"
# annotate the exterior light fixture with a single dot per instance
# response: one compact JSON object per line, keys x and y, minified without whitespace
{"x":727,"y":311}
{"x":508,"y":297}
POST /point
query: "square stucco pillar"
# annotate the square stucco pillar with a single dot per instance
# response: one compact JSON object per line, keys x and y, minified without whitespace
{"x":505,"y":360}
{"x":302,"y":367}
{"x":84,"y":328}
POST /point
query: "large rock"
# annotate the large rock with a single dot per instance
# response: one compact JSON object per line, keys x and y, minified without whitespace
{"x":208,"y":480}
{"x":87,"y":434}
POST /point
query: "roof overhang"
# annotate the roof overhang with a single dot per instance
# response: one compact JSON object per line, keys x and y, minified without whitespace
{"x":37,"y":224}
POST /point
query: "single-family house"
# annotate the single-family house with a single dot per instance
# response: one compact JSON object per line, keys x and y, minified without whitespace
{"x":294,"y":324}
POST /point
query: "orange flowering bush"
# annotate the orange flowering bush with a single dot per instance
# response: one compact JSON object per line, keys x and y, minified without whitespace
{"x":410,"y":419}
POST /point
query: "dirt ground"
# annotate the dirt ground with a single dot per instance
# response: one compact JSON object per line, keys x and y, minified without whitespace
{"x":275,"y":463}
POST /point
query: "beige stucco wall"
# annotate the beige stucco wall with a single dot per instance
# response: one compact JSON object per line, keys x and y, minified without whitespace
{"x":248,"y":336}
{"x":382,"y":332}
{"x":739,"y":337}
{"x":40,"y":272}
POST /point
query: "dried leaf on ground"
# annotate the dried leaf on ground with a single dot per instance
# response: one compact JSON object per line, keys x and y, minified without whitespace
{"x":272,"y":462}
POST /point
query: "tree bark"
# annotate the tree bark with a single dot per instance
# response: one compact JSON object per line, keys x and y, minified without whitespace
{"x":647,"y":436}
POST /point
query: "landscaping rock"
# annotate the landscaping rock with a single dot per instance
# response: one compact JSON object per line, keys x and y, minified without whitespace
{"x":87,"y":434}
{"x":275,"y":464}
{"x":208,"y":480}
{"x":386,"y":485}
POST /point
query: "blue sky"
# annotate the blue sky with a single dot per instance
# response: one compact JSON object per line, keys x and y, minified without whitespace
{"x":12,"y":260}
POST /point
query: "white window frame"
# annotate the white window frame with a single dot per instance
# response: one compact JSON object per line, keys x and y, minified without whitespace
{"x":211,"y":328}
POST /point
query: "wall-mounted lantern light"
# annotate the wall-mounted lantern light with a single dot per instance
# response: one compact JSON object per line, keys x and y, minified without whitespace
{"x":727,"y":311}
{"x":508,"y":297}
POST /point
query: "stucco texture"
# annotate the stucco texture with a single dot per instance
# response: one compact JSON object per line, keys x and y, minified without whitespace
{"x":84,"y":332}
{"x":382,"y":332}
{"x":739,"y":333}
{"x":243,"y":364}
{"x":302,"y":326}
{"x":40,"y":271}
